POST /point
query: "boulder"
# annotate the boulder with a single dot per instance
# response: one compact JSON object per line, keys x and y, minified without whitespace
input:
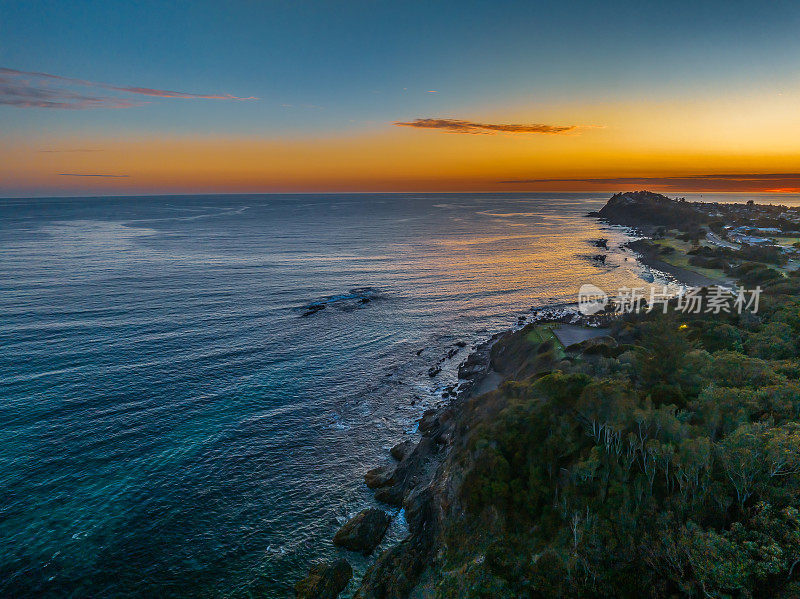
{"x":402,"y":450}
{"x":412,"y":470}
{"x":313,"y":309}
{"x":379,"y":477}
{"x":473,"y":366}
{"x":325,"y":580}
{"x":392,"y":495}
{"x":428,"y":421}
{"x":363,"y":532}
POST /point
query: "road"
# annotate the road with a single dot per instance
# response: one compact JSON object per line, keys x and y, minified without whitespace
{"x":714,"y":238}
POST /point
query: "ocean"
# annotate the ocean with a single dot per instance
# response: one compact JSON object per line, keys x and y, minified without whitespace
{"x":179,"y":416}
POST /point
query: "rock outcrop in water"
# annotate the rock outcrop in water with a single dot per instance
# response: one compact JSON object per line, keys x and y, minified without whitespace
{"x":434,"y":370}
{"x":325,"y":580}
{"x":363,"y":532}
{"x":357,"y":297}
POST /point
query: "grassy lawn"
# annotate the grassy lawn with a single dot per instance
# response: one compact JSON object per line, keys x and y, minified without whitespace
{"x":676,"y":244}
{"x":543,"y":333}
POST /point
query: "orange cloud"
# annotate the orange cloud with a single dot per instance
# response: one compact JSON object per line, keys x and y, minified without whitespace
{"x":786,"y":182}
{"x":89,"y":175}
{"x":471,"y":127}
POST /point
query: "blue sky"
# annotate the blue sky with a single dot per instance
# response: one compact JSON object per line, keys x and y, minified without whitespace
{"x":682,"y":83}
{"x":346,"y":64}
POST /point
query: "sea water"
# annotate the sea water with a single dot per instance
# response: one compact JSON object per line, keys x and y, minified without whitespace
{"x":176,"y":421}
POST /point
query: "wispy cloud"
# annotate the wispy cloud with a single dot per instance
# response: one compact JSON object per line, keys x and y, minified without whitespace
{"x":90,"y":175}
{"x":472,"y":127}
{"x":708,"y":182}
{"x":31,"y":89}
{"x":70,"y":150}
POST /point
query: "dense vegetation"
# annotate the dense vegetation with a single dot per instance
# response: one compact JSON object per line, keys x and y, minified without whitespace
{"x":664,"y":461}
{"x":726,"y":259}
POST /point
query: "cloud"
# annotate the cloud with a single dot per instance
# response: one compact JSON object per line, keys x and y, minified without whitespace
{"x":471,"y":127}
{"x":25,"y":95}
{"x":709,"y":182}
{"x":89,"y":175}
{"x":30,"y":89}
{"x":58,"y":151}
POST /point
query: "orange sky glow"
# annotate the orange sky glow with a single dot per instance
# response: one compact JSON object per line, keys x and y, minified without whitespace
{"x":666,"y":147}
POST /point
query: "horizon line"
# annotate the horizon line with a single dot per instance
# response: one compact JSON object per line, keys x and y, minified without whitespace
{"x":259,"y":193}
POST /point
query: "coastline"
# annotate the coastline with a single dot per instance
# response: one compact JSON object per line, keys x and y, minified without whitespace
{"x":407,"y":483}
{"x":429,"y":478}
{"x":320,"y":400}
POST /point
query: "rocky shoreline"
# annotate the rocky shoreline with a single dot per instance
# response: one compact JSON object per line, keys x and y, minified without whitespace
{"x":403,"y":484}
{"x":411,"y":483}
{"x":422,"y":482}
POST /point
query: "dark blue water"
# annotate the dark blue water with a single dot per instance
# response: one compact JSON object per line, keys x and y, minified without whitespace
{"x":170,"y":423}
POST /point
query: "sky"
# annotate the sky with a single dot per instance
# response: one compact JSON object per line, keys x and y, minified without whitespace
{"x":120,"y":98}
